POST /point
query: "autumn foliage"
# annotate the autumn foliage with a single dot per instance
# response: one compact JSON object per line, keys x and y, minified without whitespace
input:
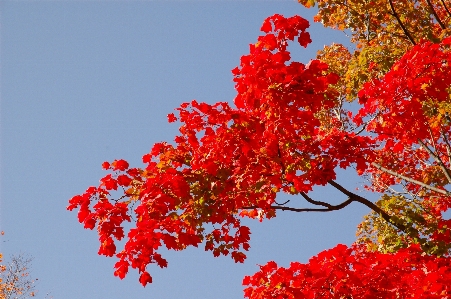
{"x":15,"y":280}
{"x":343,"y":272}
{"x":287,"y":132}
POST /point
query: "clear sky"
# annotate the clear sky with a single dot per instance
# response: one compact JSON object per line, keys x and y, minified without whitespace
{"x":85,"y":82}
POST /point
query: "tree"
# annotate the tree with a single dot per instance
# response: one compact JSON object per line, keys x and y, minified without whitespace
{"x":287,"y":132}
{"x":383,"y":32}
{"x":15,"y":280}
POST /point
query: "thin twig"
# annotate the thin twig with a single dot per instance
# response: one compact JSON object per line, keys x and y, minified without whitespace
{"x":282,"y":204}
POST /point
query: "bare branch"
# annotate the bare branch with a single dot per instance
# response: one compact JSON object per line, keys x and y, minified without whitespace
{"x":15,"y":278}
{"x":441,"y":191}
{"x":282,"y":204}
{"x":372,"y":206}
{"x":331,"y":208}
{"x":351,"y":198}
{"x":315,"y":202}
{"x":362,"y":129}
{"x":365,"y":125}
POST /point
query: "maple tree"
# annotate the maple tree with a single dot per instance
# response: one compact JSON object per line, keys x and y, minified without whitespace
{"x":382,"y":31}
{"x":289,"y":131}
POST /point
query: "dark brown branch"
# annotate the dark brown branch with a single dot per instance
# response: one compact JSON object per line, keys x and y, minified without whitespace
{"x":365,"y":125}
{"x":441,"y":191}
{"x":332,"y":208}
{"x":435,"y":14}
{"x":280,"y":157}
{"x":282,"y":204}
{"x":351,"y":198}
{"x":372,"y":206}
{"x":315,"y":202}
{"x":448,"y":146}
{"x":446,"y":8}
{"x":438,"y":160}
{"x":404,"y":29}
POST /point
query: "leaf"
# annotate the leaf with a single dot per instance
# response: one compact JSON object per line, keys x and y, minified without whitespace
{"x":145,"y":278}
{"x":121,"y":165}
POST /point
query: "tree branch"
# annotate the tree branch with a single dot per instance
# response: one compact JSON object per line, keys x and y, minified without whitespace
{"x":446,"y":8}
{"x":438,"y":160}
{"x":448,"y":147}
{"x":315,"y":202}
{"x":441,"y":191}
{"x":372,"y":206}
{"x":351,"y":198}
{"x":331,"y":208}
{"x":435,"y":14}
{"x":404,"y":29}
{"x":282,"y":204}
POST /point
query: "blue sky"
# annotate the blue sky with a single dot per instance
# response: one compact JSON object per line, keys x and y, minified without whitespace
{"x":86,"y":82}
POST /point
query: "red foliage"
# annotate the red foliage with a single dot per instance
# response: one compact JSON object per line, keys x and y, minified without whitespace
{"x":343,"y":272}
{"x":229,"y":163}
